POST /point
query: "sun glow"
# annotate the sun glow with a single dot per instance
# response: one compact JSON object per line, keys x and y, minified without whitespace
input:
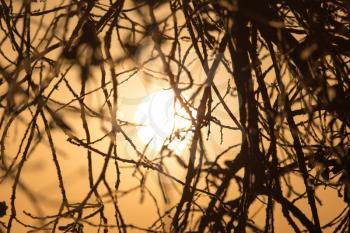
{"x":162,"y":121}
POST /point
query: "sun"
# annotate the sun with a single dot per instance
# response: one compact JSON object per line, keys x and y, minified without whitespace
{"x":162,"y":121}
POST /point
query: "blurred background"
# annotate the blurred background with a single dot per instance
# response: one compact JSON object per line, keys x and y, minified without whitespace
{"x":174,"y":116}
